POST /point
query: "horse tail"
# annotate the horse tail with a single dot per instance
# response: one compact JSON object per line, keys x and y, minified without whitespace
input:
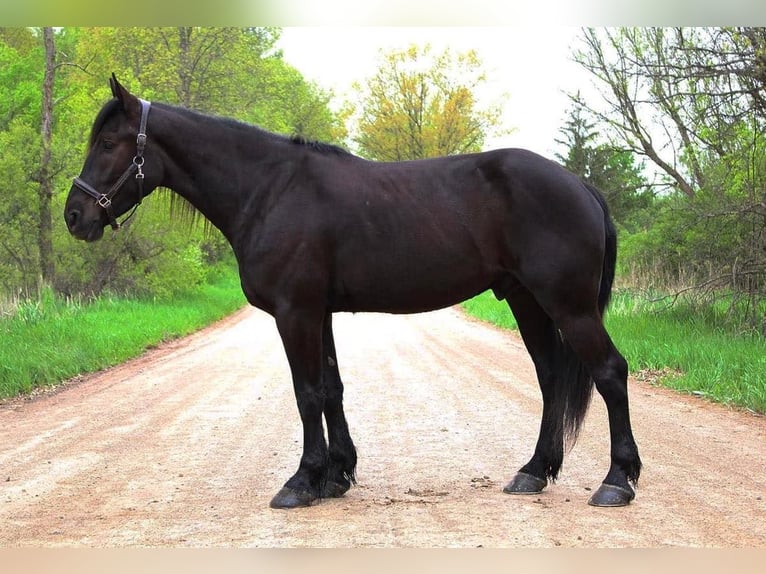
{"x":610,"y":252}
{"x":573,"y":396}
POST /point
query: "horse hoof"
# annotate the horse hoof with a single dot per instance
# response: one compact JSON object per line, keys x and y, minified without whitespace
{"x":334,"y":489}
{"x":610,"y":495}
{"x":524,"y":483}
{"x":291,"y":498}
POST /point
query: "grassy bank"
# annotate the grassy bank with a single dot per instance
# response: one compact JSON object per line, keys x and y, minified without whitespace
{"x":694,"y":356}
{"x":47,"y":340}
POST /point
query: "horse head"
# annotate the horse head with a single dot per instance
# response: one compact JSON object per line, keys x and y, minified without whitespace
{"x":112,"y":179}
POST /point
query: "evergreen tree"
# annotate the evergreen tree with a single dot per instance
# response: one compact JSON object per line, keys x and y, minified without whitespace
{"x":611,"y":170}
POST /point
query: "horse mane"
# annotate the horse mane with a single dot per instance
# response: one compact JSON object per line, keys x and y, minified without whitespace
{"x":111,"y":107}
{"x":319,"y":146}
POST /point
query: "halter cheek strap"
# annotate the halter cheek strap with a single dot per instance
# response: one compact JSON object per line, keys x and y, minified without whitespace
{"x":104,"y":200}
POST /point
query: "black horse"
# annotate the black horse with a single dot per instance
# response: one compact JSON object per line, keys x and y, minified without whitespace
{"x":316,"y":230}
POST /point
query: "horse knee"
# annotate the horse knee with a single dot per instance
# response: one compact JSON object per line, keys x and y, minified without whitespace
{"x":311,"y":402}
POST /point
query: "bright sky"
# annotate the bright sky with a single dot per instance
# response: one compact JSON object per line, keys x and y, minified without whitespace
{"x":532,"y":65}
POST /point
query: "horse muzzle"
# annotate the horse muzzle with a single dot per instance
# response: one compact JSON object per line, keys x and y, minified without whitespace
{"x":82,"y":227}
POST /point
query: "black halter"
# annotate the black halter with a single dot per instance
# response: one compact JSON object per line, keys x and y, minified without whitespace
{"x":105,"y":199}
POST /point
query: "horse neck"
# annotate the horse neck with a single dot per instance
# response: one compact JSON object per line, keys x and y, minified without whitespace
{"x":217,"y":165}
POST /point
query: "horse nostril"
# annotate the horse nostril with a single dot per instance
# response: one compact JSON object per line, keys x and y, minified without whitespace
{"x":71,"y":217}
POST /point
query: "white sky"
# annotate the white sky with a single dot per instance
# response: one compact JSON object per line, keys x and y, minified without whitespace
{"x":531,"y":64}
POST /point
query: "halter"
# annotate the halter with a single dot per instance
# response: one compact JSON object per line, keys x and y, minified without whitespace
{"x":104,"y":200}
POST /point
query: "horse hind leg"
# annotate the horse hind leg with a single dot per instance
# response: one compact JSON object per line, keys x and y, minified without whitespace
{"x":545,"y":348}
{"x":588,"y":337}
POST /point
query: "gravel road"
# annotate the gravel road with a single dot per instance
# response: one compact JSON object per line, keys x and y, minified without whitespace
{"x":186,"y":445}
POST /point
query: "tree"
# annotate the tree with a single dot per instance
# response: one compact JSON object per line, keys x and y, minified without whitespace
{"x":678,"y":95}
{"x":44,"y":237}
{"x":420,"y":105}
{"x":614,"y":171}
{"x":19,"y":86}
{"x":691,"y":101}
{"x":21,"y":61}
{"x":234,"y":72}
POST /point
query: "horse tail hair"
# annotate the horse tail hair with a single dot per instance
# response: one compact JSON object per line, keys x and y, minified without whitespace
{"x":573,"y":395}
{"x":610,"y":252}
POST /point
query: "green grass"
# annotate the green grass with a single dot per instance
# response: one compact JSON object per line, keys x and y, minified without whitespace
{"x":693,"y":355}
{"x":49,"y":340}
{"x":487,"y":308}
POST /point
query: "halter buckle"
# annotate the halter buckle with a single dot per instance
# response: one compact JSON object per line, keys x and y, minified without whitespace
{"x":138,"y":161}
{"x":104,"y":201}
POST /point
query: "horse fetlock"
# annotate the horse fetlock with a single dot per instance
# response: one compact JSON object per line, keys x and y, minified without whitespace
{"x":335,"y":488}
{"x":626,"y":465}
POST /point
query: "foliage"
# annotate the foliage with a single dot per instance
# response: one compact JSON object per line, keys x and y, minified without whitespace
{"x":420,"y":105}
{"x":690,"y":100}
{"x":18,"y":253}
{"x":20,"y":75}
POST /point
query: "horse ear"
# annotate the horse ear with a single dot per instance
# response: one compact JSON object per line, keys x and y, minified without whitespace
{"x":115,"y":85}
{"x":127,"y":100}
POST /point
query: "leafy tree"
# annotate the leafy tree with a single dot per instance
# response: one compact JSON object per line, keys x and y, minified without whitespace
{"x":691,"y":101}
{"x":614,"y":171}
{"x":236,"y":72}
{"x":20,"y":76}
{"x":21,"y":59}
{"x":19,"y":262}
{"x":420,"y":104}
{"x":678,"y":96}
{"x":228,"y":71}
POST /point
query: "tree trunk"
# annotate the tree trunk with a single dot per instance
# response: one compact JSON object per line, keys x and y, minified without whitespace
{"x":185,"y":68}
{"x":45,"y":241}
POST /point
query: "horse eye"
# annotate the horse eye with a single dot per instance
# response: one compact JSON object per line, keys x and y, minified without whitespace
{"x":108,"y":145}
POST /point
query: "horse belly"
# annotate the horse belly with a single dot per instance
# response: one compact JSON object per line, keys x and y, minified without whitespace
{"x":408,"y":283}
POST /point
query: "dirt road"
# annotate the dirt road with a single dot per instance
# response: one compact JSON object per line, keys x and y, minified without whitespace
{"x":186,"y":445}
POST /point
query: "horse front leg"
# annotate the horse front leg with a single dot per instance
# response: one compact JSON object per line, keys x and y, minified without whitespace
{"x":301,"y":333}
{"x":342,"y":452}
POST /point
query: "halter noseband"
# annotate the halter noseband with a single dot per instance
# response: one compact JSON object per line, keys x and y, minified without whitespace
{"x":104,"y":200}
